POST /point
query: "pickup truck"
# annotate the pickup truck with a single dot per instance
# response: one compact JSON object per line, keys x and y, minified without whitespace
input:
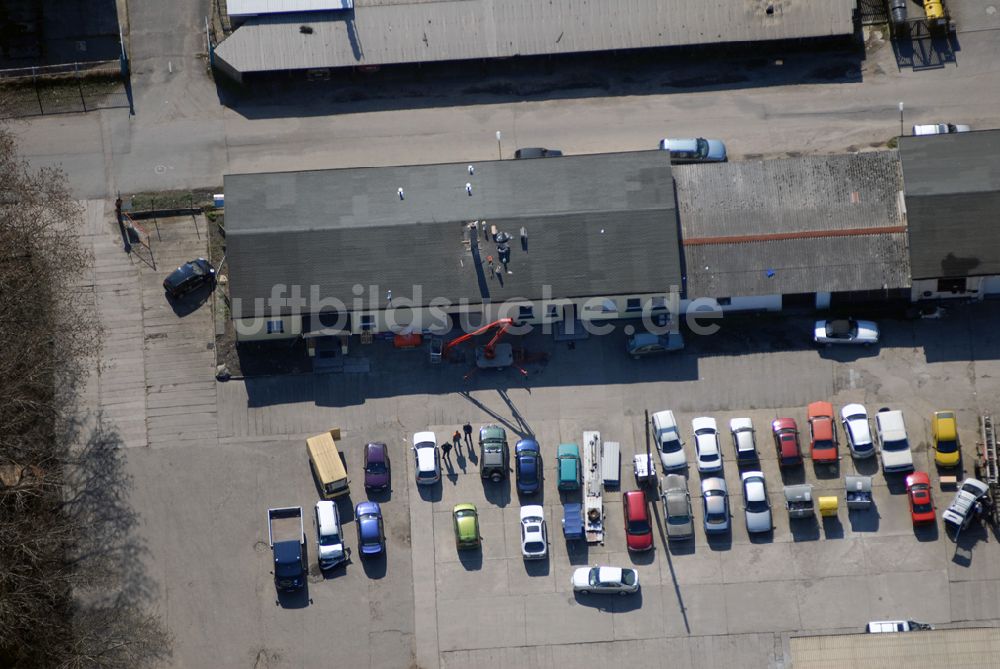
{"x":494,"y":452}
{"x":287,"y":538}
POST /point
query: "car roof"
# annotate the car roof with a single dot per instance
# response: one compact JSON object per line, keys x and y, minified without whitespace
{"x":492,"y":432}
{"x":714,"y":483}
{"x":675,"y":481}
{"x":740,"y":423}
{"x":609,"y":574}
{"x":526,"y":445}
{"x":465,"y":506}
{"x":635,"y":503}
{"x":853,"y":410}
{"x":680,"y":144}
{"x":891,"y":424}
{"x":946,"y":425}
{"x":665,"y":420}
{"x":425,"y":458}
{"x":367,"y":507}
{"x":703,"y":422}
{"x":820,"y":409}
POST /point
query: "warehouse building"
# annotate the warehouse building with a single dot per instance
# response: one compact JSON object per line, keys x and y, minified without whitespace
{"x":322,"y":35}
{"x":952,"y":203}
{"x":810,"y":232}
{"x":417,"y":248}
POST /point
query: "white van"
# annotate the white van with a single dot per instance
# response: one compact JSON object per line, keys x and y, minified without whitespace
{"x":330,"y":549}
{"x":887,"y":626}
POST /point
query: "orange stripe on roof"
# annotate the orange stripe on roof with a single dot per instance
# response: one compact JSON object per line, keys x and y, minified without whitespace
{"x":782,"y":236}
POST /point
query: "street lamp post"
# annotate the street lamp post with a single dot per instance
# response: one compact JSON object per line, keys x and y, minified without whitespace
{"x":499,"y":151}
{"x":901,"y":133}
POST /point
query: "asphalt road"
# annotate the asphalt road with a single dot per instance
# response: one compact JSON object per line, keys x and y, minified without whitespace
{"x":182,"y":137}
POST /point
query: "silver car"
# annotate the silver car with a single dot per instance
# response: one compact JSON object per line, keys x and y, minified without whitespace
{"x":694,"y":150}
{"x":715,"y":496}
{"x":605,"y":580}
{"x":756,"y":505}
{"x":677,"y":507}
{"x":858,"y":430}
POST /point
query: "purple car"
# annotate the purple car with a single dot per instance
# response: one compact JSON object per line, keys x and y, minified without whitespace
{"x":377,"y":467}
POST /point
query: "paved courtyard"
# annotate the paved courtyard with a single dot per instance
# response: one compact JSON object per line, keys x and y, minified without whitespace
{"x":208,"y":458}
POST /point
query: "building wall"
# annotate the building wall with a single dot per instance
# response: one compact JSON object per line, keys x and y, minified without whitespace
{"x":974,"y":287}
{"x":281,"y":327}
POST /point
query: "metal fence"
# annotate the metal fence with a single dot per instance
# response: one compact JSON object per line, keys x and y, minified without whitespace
{"x":58,"y":89}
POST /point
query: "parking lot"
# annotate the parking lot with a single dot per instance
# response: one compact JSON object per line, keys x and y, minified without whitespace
{"x":729,"y":601}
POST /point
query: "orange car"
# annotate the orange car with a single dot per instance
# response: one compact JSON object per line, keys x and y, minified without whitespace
{"x":823,"y":433}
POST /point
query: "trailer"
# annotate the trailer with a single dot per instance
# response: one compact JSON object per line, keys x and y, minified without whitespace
{"x":611,"y":464}
{"x":799,"y":501}
{"x":987,"y":467}
{"x":858,"y":492}
{"x":644,"y":469}
{"x":593,"y":502}
{"x":572,"y":521}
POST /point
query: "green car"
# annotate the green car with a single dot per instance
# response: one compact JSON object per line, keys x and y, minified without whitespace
{"x":568,"y":466}
{"x":466,"y":526}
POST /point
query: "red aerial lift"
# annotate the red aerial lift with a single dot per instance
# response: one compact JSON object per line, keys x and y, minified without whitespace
{"x":486,"y":356}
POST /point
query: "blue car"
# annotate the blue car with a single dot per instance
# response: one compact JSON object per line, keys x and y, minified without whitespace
{"x":528,"y":466}
{"x":371,"y":538}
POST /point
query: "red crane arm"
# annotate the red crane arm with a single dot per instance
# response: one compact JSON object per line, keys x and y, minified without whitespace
{"x":504,"y":322}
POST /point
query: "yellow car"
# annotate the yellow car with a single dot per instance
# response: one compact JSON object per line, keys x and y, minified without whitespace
{"x":944,"y":432}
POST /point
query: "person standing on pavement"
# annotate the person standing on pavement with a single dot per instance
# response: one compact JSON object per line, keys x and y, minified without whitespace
{"x":467,"y":428}
{"x":456,"y":440}
{"x":446,"y":451}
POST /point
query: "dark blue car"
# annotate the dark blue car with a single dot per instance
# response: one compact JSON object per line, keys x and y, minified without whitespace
{"x":528,"y":466}
{"x":371,"y":538}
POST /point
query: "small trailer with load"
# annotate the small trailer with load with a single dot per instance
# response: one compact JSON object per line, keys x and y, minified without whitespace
{"x":611,"y":464}
{"x":858,"y":492}
{"x":799,"y":501}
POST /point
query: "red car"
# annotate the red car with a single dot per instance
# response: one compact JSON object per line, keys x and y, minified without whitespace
{"x":918,"y":490}
{"x":786,"y":442}
{"x":823,"y":433}
{"x":638,"y":531}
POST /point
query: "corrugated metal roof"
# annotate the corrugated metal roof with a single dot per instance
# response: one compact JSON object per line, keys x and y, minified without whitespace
{"x":810,"y":224}
{"x":979,"y":647}
{"x":596,"y":225}
{"x":381,"y":32}
{"x":952,"y":199}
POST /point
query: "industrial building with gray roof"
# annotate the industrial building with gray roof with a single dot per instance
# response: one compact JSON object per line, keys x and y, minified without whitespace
{"x":385,"y":32}
{"x":952,"y":203}
{"x":595,"y":225}
{"x":797,"y":225}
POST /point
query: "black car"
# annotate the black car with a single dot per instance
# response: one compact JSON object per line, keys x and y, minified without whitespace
{"x":536,"y":152}
{"x":188,"y":277}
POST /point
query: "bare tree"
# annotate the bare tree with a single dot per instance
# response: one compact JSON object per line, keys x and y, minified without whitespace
{"x":70,"y":590}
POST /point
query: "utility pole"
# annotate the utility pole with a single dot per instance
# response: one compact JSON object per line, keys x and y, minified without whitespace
{"x":901,"y":133}
{"x":499,"y":152}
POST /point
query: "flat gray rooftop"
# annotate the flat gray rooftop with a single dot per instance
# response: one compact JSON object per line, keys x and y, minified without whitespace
{"x":952,"y":198}
{"x":798,"y":225}
{"x":380,"y":32}
{"x":596,"y":225}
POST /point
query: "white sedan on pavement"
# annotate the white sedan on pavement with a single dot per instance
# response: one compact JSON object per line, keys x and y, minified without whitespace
{"x":534,"y":537}
{"x":605,"y":580}
{"x":755,"y":502}
{"x":706,"y":444}
{"x":426,"y":458}
{"x":845,"y":331}
{"x":668,"y":441}
{"x":858,"y":430}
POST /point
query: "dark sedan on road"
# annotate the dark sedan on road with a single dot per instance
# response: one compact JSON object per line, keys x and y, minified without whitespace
{"x":188,"y":277}
{"x":371,"y":538}
{"x":528,"y":458}
{"x":377,"y":471}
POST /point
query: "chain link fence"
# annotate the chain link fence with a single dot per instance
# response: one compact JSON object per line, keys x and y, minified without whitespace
{"x":59,"y":89}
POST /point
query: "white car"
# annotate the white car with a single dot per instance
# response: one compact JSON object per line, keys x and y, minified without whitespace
{"x":425,"y":455}
{"x":939,"y":128}
{"x":668,"y":441}
{"x":893,"y":443}
{"x":534,"y":536}
{"x":958,"y":515}
{"x":694,"y":150}
{"x":706,"y":445}
{"x":756,"y":505}
{"x":845,"y":331}
{"x":854,"y":418}
{"x":743,"y":439}
{"x":605,"y":580}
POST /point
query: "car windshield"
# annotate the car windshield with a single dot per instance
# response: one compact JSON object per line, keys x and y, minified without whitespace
{"x":823,"y":444}
{"x":287,"y":568}
{"x":757,"y":506}
{"x":707,"y":457}
{"x":702,"y":148}
{"x":376,"y":467}
{"x":534,"y":546}
{"x":628,"y":577}
{"x":948,"y":446}
{"x":925,"y":507}
{"x":680,"y":519}
{"x":671,"y":446}
{"x":897,"y":445}
{"x":329,"y":539}
{"x":972,"y":490}
{"x":638,"y":527}
{"x":197,"y":269}
{"x":425,"y":474}
{"x":593,"y":576}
